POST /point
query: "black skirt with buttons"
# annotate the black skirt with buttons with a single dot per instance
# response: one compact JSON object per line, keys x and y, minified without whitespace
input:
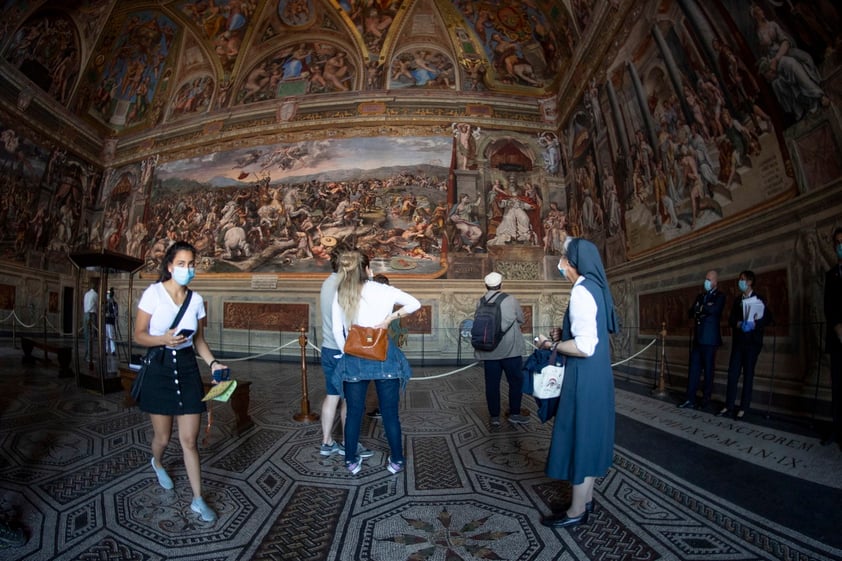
{"x":172,"y":383}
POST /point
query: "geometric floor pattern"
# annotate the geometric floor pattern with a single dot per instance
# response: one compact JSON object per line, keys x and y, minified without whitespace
{"x":74,"y":473}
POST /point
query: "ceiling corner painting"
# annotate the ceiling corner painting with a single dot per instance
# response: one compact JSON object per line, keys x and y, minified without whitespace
{"x":527,"y":43}
{"x":128,"y":70}
{"x":283,"y":208}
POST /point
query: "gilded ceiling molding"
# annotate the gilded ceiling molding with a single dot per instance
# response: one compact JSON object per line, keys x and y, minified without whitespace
{"x":333,"y":117}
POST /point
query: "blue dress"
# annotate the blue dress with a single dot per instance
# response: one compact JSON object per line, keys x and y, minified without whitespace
{"x":582,"y":443}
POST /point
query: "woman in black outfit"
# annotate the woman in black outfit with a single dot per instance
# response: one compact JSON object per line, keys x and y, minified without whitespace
{"x":172,"y":384}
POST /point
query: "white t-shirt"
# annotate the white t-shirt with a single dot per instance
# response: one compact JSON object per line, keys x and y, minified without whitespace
{"x":90,"y":301}
{"x":156,"y":302}
{"x":583,"y":318}
{"x":326,"y":296}
{"x":376,"y":302}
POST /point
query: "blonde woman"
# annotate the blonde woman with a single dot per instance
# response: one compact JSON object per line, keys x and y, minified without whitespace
{"x":362,"y":301}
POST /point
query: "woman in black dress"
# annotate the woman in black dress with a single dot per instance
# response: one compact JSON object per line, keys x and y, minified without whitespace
{"x":172,"y":384}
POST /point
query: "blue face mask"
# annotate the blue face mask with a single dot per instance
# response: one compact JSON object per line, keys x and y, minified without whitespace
{"x":561,"y":272}
{"x":743,"y":284}
{"x":839,"y":251}
{"x":183,"y":275}
{"x":708,"y":285}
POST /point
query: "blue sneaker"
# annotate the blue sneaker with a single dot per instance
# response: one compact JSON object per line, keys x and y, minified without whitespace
{"x":163,"y":477}
{"x":361,"y":451}
{"x":200,"y":507}
{"x":331,"y":449}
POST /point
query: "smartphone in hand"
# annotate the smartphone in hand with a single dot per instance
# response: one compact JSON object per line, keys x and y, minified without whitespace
{"x":222,"y":374}
{"x":185,"y":332}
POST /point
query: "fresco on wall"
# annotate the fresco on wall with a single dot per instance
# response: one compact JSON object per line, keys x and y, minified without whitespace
{"x":285,"y":207}
{"x":513,"y":200}
{"x":22,"y":214}
{"x":41,"y":207}
{"x":689,"y":133}
{"x":786,"y":43}
{"x":128,"y":68}
{"x":46,"y":50}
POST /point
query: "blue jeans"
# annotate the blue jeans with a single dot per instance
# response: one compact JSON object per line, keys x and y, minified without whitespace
{"x":388,"y":395}
{"x":494,"y":369}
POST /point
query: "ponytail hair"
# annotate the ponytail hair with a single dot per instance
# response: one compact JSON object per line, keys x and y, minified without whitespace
{"x":352,"y":273}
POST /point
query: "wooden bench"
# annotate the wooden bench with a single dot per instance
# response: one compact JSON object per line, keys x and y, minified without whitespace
{"x":239,"y":399}
{"x":64,"y":354}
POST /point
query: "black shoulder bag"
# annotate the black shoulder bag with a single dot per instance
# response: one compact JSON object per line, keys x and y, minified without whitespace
{"x":153,"y":352}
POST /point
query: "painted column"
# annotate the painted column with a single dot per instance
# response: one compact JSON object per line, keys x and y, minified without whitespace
{"x":702,"y":28}
{"x":672,"y":70}
{"x":621,"y":175}
{"x":648,"y":122}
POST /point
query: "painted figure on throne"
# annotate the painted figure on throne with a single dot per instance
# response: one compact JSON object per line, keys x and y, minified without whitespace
{"x":520,"y":222}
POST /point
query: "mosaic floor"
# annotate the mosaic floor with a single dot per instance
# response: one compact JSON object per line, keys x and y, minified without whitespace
{"x":75,"y":476}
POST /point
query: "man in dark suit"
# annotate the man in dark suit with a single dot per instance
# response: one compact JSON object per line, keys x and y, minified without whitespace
{"x":706,"y":313}
{"x":749,"y":317}
{"x":833,"y":343}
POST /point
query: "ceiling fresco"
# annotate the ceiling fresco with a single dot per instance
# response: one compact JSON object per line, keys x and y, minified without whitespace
{"x":155,"y":63}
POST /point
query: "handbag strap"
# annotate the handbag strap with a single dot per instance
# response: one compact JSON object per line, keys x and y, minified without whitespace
{"x":554,"y":358}
{"x":182,"y":309}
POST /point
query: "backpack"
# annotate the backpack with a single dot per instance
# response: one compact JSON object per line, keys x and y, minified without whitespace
{"x":487,"y":330}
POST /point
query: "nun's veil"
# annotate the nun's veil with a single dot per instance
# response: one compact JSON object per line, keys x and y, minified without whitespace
{"x":584,"y":256}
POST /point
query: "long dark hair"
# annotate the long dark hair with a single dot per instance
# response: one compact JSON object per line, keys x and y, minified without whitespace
{"x":169,"y":257}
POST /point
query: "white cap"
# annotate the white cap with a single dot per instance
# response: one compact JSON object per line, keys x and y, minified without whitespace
{"x":493,"y":279}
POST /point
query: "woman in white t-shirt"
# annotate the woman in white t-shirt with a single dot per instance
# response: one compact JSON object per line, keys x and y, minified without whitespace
{"x":172,"y":383}
{"x":365,"y":302}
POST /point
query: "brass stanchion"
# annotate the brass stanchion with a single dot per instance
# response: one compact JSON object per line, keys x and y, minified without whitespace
{"x":661,"y":390}
{"x":305,"y":415}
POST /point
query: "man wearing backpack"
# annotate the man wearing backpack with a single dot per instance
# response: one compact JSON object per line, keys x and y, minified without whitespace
{"x":502,"y":351}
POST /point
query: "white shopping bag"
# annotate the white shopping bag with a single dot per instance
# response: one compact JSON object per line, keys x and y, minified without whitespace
{"x":547,"y":382}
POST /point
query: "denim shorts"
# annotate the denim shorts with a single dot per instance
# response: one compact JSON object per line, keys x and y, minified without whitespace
{"x":333,"y":383}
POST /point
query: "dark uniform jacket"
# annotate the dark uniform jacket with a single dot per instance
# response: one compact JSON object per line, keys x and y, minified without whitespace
{"x":706,"y":312}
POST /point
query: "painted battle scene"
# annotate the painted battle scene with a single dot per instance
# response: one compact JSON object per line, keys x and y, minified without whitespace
{"x":284,"y":208}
